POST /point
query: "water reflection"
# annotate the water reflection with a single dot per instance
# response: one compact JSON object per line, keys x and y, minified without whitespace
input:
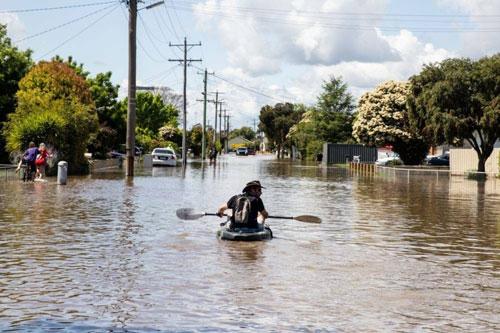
{"x":108,"y":253}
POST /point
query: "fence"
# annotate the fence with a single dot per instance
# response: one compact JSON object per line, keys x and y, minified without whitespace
{"x":340,"y":153}
{"x":8,"y":172}
{"x":464,"y":161}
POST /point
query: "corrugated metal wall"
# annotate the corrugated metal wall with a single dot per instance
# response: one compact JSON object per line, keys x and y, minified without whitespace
{"x":334,"y":153}
{"x":463,"y":160}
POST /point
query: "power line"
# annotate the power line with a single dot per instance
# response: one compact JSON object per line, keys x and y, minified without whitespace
{"x":250,"y":89}
{"x":178,"y":20}
{"x":150,"y":39}
{"x":170,"y":20}
{"x":340,"y":23}
{"x":64,"y":24}
{"x":79,"y":33}
{"x":142,"y":46}
{"x":331,"y":13}
{"x":57,"y":8}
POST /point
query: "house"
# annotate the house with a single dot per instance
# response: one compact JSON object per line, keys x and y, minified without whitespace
{"x":237,"y":142}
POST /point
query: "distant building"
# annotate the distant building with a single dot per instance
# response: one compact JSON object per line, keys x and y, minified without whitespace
{"x":237,"y":142}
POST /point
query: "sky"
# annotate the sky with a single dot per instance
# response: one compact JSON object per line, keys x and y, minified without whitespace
{"x":261,"y":52}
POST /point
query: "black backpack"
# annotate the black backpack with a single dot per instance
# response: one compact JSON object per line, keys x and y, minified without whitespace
{"x":242,"y":209}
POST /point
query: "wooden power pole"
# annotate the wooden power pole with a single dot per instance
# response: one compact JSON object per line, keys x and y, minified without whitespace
{"x":185,"y":47}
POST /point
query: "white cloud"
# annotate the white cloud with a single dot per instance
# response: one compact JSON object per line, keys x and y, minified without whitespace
{"x":364,"y":76}
{"x":304,"y":33}
{"x":484,"y":18}
{"x":15,"y":28}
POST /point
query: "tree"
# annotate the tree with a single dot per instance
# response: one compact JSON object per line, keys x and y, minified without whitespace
{"x":112,"y":120}
{"x":54,"y":106}
{"x":195,"y":137}
{"x":14,"y":64}
{"x":383,"y":119}
{"x":151,"y":112}
{"x":304,"y":134}
{"x":334,"y":109}
{"x":246,"y":132}
{"x":276,"y":122}
{"x":459,"y":100}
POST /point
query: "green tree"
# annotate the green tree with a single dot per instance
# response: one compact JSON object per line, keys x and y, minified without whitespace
{"x":246,"y":132}
{"x":112,"y":120}
{"x":335,"y":115}
{"x":151,"y":115}
{"x":304,"y":134}
{"x":195,"y":136}
{"x":276,"y":122}
{"x":459,"y":100}
{"x":328,"y":121}
{"x":382,"y":119}
{"x":151,"y":112}
{"x":54,"y":106}
{"x":14,"y":64}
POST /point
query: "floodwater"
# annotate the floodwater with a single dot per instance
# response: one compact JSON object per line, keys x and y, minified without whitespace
{"x":393,"y":254}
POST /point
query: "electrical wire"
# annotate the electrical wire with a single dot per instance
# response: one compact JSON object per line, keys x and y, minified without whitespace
{"x":278,"y":18}
{"x":148,"y":34}
{"x":57,"y":8}
{"x":79,"y":33}
{"x":178,"y":20}
{"x":333,"y":14}
{"x":64,"y":24}
{"x":140,"y":44}
{"x":250,"y":89}
{"x":170,"y":20}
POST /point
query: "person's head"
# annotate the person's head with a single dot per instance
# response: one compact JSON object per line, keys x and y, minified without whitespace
{"x":253,"y":188}
{"x":42,"y":146}
{"x":32,"y":144}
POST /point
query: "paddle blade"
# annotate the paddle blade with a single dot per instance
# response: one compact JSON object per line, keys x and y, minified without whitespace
{"x":188,"y":214}
{"x":307,"y":218}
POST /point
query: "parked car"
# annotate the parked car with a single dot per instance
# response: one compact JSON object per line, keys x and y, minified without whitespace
{"x":164,"y":156}
{"x":242,"y":151}
{"x":389,"y":159}
{"x":251,"y":151}
{"x":440,"y":160}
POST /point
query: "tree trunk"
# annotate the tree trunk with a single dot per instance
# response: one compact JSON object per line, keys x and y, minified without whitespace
{"x":481,"y":163}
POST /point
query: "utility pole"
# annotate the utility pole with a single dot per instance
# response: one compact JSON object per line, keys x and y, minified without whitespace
{"x":215,"y":126}
{"x":205,"y":79}
{"x":131,"y":89}
{"x":132,"y":32}
{"x":227,"y":131}
{"x":185,"y":62}
{"x":220,"y":121}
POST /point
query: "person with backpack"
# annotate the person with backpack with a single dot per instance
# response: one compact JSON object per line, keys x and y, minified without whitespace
{"x":29,"y":158}
{"x":246,"y":207}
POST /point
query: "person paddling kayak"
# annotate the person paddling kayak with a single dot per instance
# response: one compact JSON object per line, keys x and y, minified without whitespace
{"x":246,"y":207}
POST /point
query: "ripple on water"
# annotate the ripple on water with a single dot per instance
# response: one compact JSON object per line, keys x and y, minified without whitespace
{"x":103,"y":253}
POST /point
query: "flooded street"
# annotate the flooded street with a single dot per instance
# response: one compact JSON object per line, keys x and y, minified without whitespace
{"x":419,"y":253}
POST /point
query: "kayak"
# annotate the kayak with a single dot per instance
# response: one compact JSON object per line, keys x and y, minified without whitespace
{"x":245,"y":234}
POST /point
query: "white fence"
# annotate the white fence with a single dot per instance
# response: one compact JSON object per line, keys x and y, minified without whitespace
{"x":465,"y":160}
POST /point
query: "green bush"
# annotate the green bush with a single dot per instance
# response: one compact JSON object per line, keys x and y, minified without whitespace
{"x":394,"y":163}
{"x":54,"y":107}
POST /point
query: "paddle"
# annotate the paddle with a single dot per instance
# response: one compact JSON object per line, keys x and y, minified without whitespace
{"x":191,"y":214}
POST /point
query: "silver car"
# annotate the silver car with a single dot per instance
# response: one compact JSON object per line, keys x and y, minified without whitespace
{"x":164,"y":156}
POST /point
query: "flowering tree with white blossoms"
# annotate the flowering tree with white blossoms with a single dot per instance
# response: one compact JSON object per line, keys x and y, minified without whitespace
{"x":383,"y":119}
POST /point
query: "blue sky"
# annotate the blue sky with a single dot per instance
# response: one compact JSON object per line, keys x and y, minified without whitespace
{"x":262,"y":52}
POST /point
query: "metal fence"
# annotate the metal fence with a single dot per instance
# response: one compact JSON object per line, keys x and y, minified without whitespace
{"x":334,"y":153}
{"x":8,"y":172}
